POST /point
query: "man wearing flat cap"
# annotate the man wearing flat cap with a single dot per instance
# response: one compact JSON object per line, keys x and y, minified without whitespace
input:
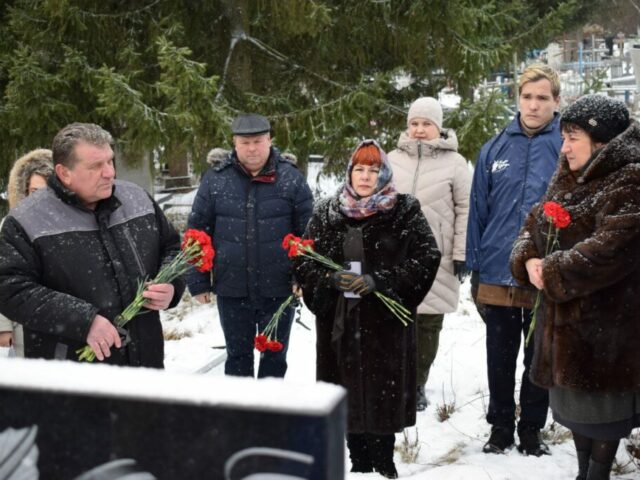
{"x":248,"y":203}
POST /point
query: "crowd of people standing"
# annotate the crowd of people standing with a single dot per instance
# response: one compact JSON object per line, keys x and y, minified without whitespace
{"x":403,"y":229}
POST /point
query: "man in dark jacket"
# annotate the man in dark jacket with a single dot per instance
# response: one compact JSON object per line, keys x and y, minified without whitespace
{"x":248,"y":203}
{"x":71,"y":257}
{"x":511,"y":174}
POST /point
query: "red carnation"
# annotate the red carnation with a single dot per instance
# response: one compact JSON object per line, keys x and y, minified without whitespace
{"x":562,"y":218}
{"x":274,"y":346}
{"x":289,"y":240}
{"x":293,"y":249}
{"x":550,"y":209}
{"x":200,"y":250}
{"x":261,"y":343}
{"x":557,"y":214}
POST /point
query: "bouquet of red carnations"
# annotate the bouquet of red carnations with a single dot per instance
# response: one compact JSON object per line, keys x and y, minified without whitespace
{"x":296,"y":246}
{"x":196,"y":250}
{"x":268,"y":338}
{"x":558,"y":218}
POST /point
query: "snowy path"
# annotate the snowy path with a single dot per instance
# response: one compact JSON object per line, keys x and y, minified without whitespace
{"x":447,"y":450}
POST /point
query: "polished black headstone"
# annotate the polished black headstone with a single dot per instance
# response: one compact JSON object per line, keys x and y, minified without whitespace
{"x":173,"y":426}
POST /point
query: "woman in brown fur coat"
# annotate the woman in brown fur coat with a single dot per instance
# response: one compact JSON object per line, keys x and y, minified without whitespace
{"x":587,"y":336}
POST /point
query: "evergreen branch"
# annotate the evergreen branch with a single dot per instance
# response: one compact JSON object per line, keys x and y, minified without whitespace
{"x":130,"y":13}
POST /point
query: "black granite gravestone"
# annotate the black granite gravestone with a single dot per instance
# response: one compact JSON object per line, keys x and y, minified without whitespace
{"x":173,"y":426}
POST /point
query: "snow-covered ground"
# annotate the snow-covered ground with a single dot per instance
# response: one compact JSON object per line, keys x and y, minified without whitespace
{"x":446,"y":450}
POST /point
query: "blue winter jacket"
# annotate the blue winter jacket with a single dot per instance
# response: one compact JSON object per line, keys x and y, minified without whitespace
{"x":247,"y":218}
{"x":511,"y":174}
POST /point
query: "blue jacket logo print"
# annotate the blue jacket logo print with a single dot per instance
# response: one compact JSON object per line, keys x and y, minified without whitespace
{"x":499,"y":165}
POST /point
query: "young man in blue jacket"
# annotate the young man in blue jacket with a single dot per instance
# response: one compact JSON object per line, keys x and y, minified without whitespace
{"x":511,"y":175}
{"x":248,"y":202}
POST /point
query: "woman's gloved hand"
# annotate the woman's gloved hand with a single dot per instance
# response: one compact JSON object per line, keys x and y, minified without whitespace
{"x":363,"y":285}
{"x":353,"y":282}
{"x":342,"y":280}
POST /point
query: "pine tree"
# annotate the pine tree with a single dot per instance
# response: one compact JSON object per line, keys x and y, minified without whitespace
{"x":167,"y":77}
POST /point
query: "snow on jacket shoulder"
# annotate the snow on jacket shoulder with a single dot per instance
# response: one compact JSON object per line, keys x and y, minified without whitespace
{"x":247,"y":220}
{"x":61,"y":264}
{"x":439,"y":177}
{"x":511,"y":175}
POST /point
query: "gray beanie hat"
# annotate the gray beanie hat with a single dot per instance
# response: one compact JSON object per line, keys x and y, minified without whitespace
{"x":426,"y":107}
{"x":603,"y":118}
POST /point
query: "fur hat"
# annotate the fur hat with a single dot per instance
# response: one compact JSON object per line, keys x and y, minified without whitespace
{"x":603,"y":118}
{"x":36,"y":161}
{"x":426,"y":107}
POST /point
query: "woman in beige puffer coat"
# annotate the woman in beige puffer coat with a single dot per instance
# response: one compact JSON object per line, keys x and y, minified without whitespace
{"x":29,"y":173}
{"x":427,"y":165}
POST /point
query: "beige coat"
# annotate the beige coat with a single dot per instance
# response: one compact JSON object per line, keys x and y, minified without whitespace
{"x":435,"y":173}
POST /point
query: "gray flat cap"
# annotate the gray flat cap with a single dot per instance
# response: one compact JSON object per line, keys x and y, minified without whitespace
{"x":250,"y":124}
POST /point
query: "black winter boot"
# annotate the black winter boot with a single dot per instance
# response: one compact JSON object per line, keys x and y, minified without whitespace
{"x":583,"y":464}
{"x":501,"y":439}
{"x":531,"y":442}
{"x":359,"y":453}
{"x":381,"y":448}
{"x":598,"y":471}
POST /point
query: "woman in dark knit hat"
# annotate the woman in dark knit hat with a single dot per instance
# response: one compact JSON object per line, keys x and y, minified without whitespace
{"x":587,"y":336}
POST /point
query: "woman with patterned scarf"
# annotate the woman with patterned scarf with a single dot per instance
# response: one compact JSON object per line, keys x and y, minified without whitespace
{"x":385,"y":244}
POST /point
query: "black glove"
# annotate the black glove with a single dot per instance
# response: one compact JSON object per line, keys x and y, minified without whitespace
{"x":363,"y":285}
{"x":460,"y":270}
{"x":342,"y":280}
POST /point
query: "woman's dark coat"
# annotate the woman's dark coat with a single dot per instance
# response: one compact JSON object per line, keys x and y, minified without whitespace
{"x":588,"y":334}
{"x":375,"y":358}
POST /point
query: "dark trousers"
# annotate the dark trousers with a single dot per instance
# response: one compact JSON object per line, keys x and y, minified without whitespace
{"x":506,"y":329}
{"x":242,"y":319}
{"x":428,"y":329}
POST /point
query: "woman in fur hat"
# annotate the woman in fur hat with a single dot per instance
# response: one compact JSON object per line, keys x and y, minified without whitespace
{"x":27,"y":175}
{"x":587,"y":336}
{"x":426,"y":164}
{"x":361,"y":345}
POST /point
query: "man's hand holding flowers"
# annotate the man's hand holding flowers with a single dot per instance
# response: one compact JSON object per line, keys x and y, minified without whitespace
{"x":196,"y":250}
{"x":158,"y":295}
{"x":102,"y":336}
